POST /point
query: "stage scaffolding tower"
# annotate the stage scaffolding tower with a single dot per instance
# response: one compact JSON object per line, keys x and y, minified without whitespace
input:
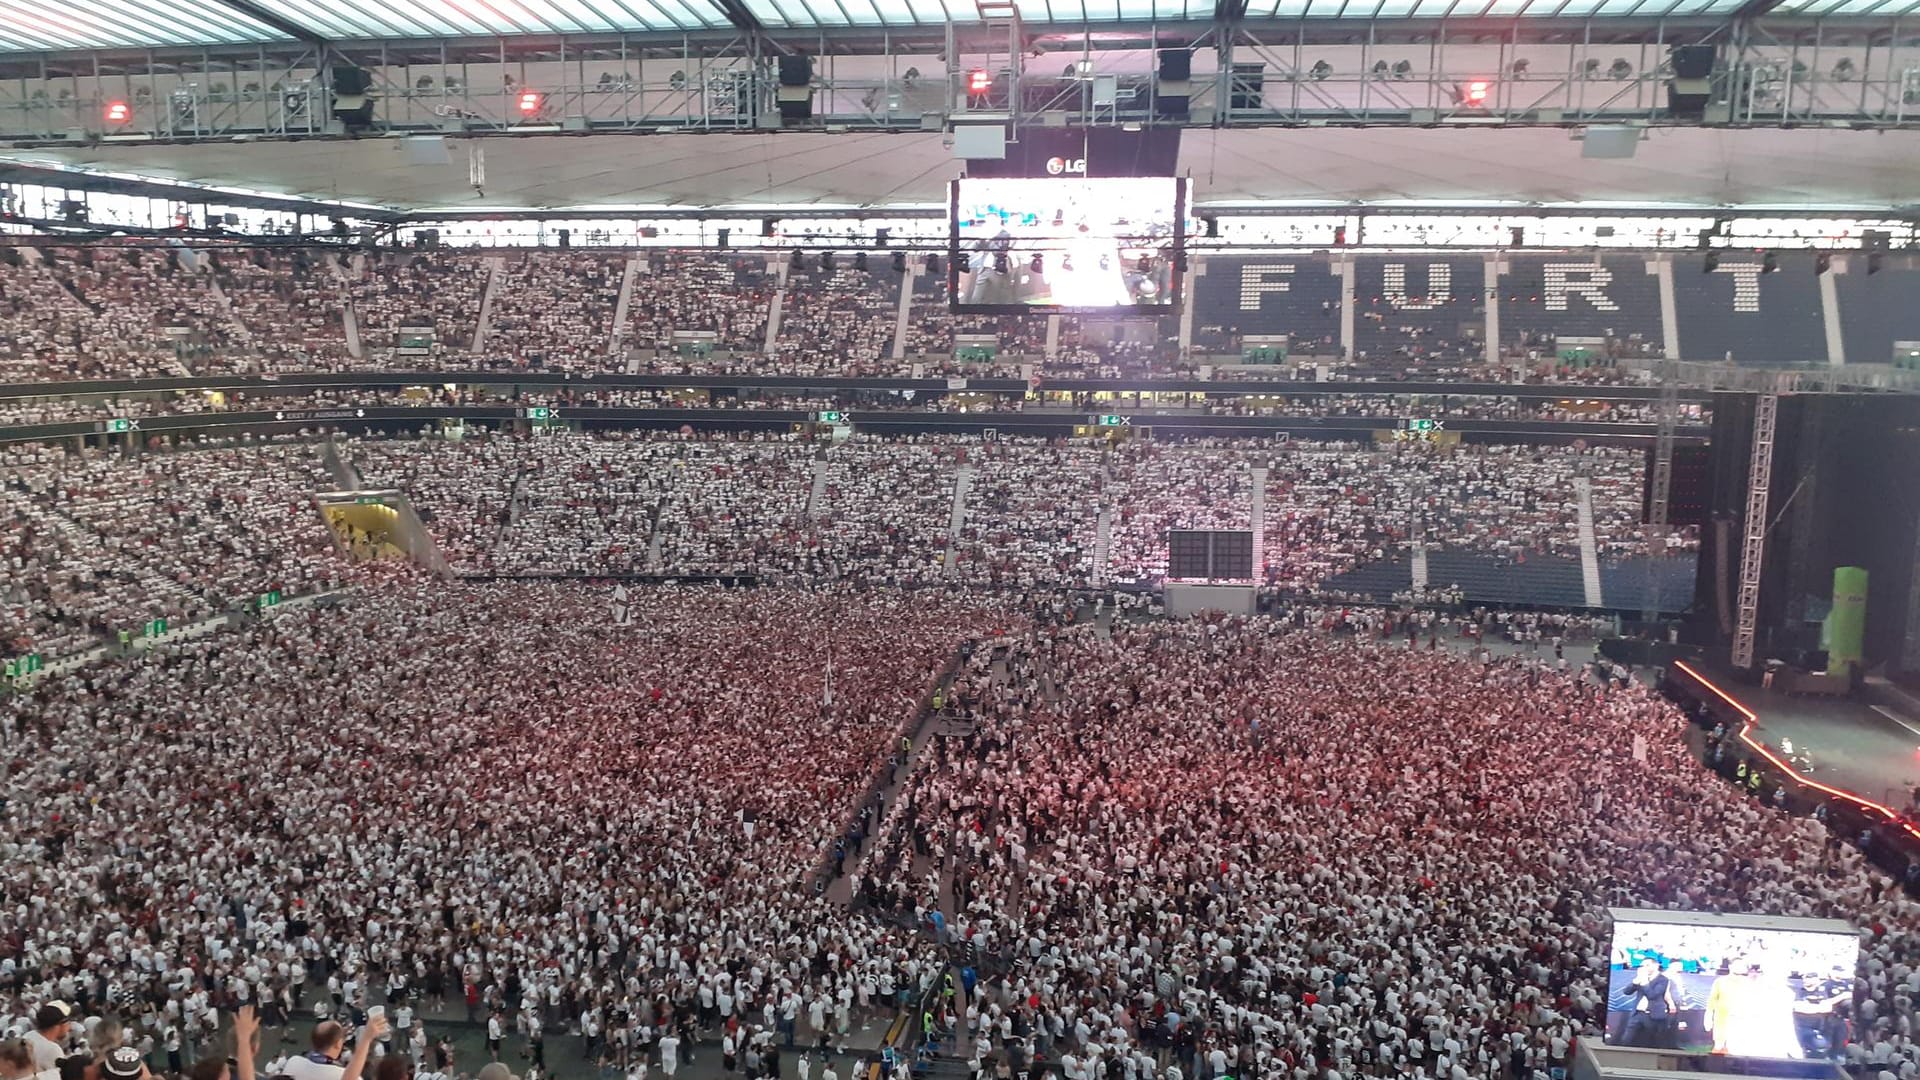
{"x":1766,"y":410}
{"x":1660,"y":485}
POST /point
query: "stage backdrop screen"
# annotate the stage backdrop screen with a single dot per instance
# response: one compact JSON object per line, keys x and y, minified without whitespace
{"x":1101,"y":244}
{"x":1744,"y":986}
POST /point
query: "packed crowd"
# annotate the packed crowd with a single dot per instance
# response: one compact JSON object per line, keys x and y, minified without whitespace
{"x":838,"y":322}
{"x":1225,"y":848}
{"x":91,"y":313}
{"x":695,"y":294}
{"x":291,"y":307}
{"x":418,"y":309}
{"x":1193,"y":849}
{"x":113,"y":312}
{"x":101,"y":543}
{"x":95,"y":544}
{"x":554,"y":312}
{"x":1389,"y":409}
{"x":628,"y":808}
{"x":882,"y":509}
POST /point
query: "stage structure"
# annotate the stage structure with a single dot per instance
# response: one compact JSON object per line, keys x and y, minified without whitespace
{"x":1814,"y":520}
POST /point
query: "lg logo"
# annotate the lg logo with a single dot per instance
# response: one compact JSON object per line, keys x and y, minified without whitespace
{"x":1058,"y":165}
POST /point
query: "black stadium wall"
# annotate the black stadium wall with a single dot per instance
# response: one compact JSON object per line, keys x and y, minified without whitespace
{"x":1878,"y":310}
{"x":1613,"y":296}
{"x":1845,"y":492}
{"x":1300,"y":297}
{"x":1419,"y":305}
{"x":1739,"y":310}
{"x":1734,"y":308}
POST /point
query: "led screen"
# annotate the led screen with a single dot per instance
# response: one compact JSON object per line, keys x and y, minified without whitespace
{"x":1709,"y":984}
{"x":1067,"y":244}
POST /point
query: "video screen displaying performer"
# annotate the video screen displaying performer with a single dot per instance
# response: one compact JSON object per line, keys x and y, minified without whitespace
{"x":1764,"y":993}
{"x":1104,"y":243}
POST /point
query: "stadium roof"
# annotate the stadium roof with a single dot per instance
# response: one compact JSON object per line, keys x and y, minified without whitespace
{"x":1487,"y":9}
{"x":1803,"y":170}
{"x":41,"y":25}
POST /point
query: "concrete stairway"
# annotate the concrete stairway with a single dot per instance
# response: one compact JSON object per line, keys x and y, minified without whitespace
{"x":957,"y":521}
{"x":1589,"y":547}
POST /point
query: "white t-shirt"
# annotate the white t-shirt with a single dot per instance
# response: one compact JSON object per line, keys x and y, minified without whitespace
{"x":305,"y":1068}
{"x":46,"y":1052}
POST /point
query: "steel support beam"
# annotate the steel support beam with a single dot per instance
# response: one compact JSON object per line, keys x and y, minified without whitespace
{"x":1660,"y":485}
{"x":1753,"y":528}
{"x":286,"y":26}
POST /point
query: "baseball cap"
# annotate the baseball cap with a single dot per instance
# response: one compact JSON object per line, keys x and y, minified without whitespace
{"x":494,"y":1070}
{"x":122,"y":1063}
{"x":52,"y":1014}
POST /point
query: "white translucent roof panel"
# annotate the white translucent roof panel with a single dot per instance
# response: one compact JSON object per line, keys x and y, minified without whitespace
{"x":345,"y":19}
{"x":107,"y":24}
{"x":1483,"y":9}
{"x":783,"y":14}
{"x":1881,"y":8}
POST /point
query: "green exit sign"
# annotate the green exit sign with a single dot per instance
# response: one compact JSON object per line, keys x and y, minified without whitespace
{"x":540,"y":412}
{"x":155,"y":627}
{"x":1113,"y":420}
{"x":1420,"y":425}
{"x":270,"y":598}
{"x":119,"y":425}
{"x":21,"y":667}
{"x":831,"y":417}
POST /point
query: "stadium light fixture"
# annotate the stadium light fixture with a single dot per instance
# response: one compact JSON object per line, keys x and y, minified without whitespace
{"x":979,"y":81}
{"x":530,"y":102}
{"x":1475,"y":93}
{"x":118,"y":112}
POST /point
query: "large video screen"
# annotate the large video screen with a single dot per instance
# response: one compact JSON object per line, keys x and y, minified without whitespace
{"x":1067,"y":244}
{"x":1741,"y":986}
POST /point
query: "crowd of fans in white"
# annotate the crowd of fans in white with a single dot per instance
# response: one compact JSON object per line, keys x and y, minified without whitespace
{"x":1389,"y":409}
{"x":1199,"y":849}
{"x":577,"y":818}
{"x":117,"y":312}
{"x":1208,"y":849}
{"x":99,"y":543}
{"x":94,"y":543}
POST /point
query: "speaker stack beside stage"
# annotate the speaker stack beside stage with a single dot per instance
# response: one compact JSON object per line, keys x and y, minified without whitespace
{"x":352,"y":102}
{"x":794,"y":96}
{"x":1173,"y":90}
{"x":1691,"y":87}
